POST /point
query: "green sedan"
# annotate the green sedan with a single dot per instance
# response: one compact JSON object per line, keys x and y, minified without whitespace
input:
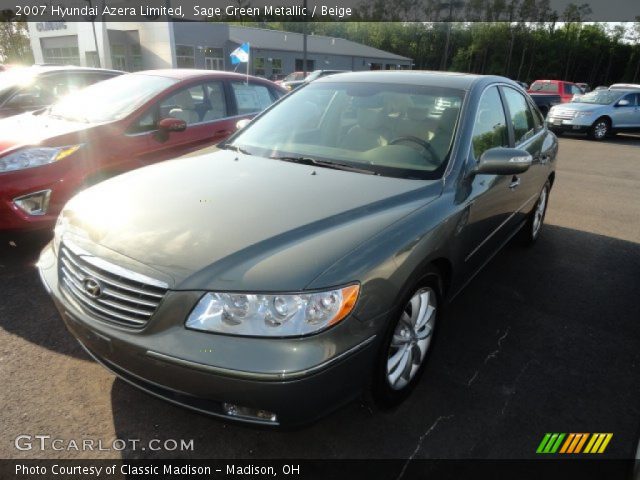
{"x":308,"y":260}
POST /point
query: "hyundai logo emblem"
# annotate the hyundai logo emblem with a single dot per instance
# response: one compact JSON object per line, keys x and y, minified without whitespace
{"x":92,"y":287}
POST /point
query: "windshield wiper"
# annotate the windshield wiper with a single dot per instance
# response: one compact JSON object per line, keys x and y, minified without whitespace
{"x":235,"y":148}
{"x":325,"y":164}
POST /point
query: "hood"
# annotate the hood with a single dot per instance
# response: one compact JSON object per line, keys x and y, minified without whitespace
{"x":31,"y":129}
{"x":579,"y":107}
{"x":235,"y":222}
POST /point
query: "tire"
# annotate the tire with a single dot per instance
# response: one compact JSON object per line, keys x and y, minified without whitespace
{"x":531,"y":230}
{"x":600,"y":129}
{"x":406,"y":348}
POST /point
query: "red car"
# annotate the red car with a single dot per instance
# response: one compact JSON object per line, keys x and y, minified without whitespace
{"x":566,"y":90}
{"x":114,"y":126}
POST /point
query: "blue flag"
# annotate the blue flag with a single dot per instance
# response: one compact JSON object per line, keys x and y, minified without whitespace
{"x":240,"y":54}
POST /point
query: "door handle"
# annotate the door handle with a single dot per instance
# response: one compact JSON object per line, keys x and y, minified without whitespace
{"x":223,"y":132}
{"x":515,"y":181}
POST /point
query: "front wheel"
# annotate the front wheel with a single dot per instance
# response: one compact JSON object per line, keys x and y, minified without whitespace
{"x":600,"y":129}
{"x":408,"y":343}
{"x":531,"y":230}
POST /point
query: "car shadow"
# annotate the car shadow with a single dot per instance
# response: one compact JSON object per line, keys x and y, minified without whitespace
{"x":544,"y":339}
{"x":26,"y":309}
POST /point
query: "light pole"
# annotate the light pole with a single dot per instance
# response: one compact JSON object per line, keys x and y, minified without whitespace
{"x":304,"y":41}
{"x":95,"y":37}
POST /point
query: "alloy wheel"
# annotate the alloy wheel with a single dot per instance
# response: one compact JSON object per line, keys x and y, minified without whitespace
{"x":411,"y":338}
{"x":538,"y":215}
{"x":600,"y":129}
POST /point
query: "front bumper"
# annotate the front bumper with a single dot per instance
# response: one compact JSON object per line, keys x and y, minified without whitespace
{"x":298,"y":379}
{"x":62,"y":183}
{"x":578,"y":125}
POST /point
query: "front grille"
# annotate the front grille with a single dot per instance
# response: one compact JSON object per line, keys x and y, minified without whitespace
{"x":564,"y":114}
{"x":107,"y":291}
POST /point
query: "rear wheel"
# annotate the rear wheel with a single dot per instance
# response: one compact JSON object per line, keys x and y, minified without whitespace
{"x":600,"y":129}
{"x":531,"y":230}
{"x":407,"y":346}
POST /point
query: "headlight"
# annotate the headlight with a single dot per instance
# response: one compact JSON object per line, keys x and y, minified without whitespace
{"x":58,"y":231}
{"x":582,"y":114}
{"x":272,"y":315}
{"x":34,"y":157}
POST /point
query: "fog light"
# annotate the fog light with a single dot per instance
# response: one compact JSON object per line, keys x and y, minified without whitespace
{"x":36,"y":203}
{"x":246,"y":412}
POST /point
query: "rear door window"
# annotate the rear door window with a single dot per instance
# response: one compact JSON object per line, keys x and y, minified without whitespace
{"x":251,"y":98}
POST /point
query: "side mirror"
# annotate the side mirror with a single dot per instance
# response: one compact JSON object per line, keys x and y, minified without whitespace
{"x":503,"y":161}
{"x":623,"y":103}
{"x":242,"y":123}
{"x":171,"y":124}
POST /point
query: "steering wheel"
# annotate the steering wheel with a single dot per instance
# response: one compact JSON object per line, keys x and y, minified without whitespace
{"x":423,"y":143}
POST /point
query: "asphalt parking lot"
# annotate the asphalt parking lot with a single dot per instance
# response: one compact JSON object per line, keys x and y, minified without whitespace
{"x":543,"y":340}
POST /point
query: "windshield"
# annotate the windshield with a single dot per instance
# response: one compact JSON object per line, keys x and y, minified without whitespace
{"x":544,"y":87}
{"x":14,"y":78}
{"x":387,"y":129}
{"x":111,"y":99}
{"x":600,"y":97}
{"x":313,"y":75}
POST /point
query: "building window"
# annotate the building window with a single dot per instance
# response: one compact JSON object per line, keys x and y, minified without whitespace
{"x":276,"y":66}
{"x":258,"y":67}
{"x":62,"y":56}
{"x":136,"y":58}
{"x":119,"y":57}
{"x":213,"y":58}
{"x":92,"y":59}
{"x":185,"y":56}
{"x":300,"y":64}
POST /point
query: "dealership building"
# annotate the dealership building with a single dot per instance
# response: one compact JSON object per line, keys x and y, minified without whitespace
{"x":206,"y":45}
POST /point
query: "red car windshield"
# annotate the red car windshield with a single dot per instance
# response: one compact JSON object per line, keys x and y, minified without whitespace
{"x":111,"y":99}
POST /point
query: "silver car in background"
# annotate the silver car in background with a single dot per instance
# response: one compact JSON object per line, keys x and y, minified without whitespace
{"x":598,"y":114}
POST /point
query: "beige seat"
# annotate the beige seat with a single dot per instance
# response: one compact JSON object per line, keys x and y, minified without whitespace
{"x":417,"y":123}
{"x":216,"y":103}
{"x":186,"y":109}
{"x":370,"y":131}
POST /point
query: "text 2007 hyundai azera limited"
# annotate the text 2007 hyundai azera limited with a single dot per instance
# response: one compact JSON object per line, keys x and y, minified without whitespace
{"x":309,"y":259}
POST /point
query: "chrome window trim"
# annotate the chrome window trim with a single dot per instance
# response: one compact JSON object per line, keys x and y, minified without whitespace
{"x":244,"y":115}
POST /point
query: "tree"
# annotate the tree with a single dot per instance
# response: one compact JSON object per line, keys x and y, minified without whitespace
{"x":14,"y":42}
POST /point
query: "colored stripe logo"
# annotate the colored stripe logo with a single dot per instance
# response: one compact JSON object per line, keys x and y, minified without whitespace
{"x":574,"y":443}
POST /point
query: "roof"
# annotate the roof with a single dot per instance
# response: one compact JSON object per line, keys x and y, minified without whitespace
{"x":278,"y":40}
{"x":188,"y":73}
{"x":462,"y":81}
{"x":37,"y":69}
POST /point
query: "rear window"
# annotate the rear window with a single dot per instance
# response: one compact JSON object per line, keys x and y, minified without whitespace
{"x":548,"y":87}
